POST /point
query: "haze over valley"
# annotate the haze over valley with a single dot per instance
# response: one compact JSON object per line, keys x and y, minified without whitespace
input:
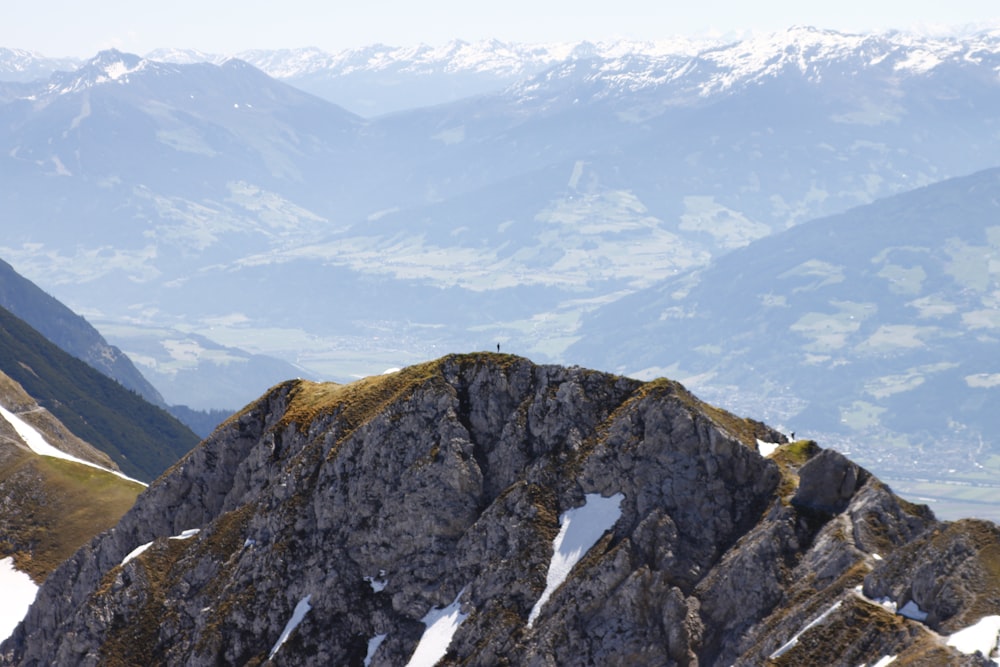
{"x":228,"y":230}
{"x":546,"y":340}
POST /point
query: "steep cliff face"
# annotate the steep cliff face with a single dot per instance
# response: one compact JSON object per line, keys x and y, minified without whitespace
{"x":483,"y":510}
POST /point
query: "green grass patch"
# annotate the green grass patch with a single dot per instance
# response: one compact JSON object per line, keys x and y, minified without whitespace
{"x":861,"y":415}
{"x":58,"y":506}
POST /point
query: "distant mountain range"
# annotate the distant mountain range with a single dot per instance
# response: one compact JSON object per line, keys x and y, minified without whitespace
{"x":22,"y":66}
{"x":379,"y":78}
{"x":211,"y":205}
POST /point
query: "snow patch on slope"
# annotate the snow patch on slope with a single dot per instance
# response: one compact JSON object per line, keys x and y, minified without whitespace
{"x":767,"y":448}
{"x":913,"y":611}
{"x":790,"y":644}
{"x":886,"y":661}
{"x":441,"y":627}
{"x":18,"y":594}
{"x":300,"y":612}
{"x":39,"y":445}
{"x":135,"y":552}
{"x":185,"y":535}
{"x":980,"y":637}
{"x":373,"y":645}
{"x":579,"y":530}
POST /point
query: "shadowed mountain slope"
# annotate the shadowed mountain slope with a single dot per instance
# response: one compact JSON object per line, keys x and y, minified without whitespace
{"x":69,"y":331}
{"x":142,"y":439}
{"x":52,"y":506}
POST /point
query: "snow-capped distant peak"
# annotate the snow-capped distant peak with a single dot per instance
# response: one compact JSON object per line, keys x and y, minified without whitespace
{"x":21,"y":65}
{"x":115,"y":64}
{"x":111,"y":66}
{"x":696,"y":67}
{"x":184,"y":56}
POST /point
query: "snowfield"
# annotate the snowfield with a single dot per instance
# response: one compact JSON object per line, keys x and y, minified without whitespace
{"x":18,"y":593}
{"x":982,"y":637}
{"x":39,"y":445}
{"x":579,"y":530}
{"x":441,"y":627}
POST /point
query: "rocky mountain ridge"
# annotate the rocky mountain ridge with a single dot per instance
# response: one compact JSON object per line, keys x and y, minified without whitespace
{"x":354,"y":524}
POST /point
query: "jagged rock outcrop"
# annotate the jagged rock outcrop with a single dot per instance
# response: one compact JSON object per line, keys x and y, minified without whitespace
{"x":338,"y":522}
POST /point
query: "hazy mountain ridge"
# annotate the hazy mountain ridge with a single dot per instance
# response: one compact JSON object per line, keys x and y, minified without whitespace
{"x":378,"y":79}
{"x":703,"y":66}
{"x":74,"y":335}
{"x":876,"y":325}
{"x":347,"y":246}
{"x":422,"y":513}
{"x":22,"y":65}
{"x":190,"y":110}
{"x":688,"y":68}
{"x":70,"y":332}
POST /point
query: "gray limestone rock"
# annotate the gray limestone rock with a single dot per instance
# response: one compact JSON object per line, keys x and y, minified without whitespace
{"x":827,"y":482}
{"x":441,"y":492}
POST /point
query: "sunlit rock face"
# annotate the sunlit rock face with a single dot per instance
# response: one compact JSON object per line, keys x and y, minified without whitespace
{"x":483,"y":510}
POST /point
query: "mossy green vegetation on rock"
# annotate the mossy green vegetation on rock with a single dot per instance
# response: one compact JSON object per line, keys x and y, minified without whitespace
{"x":452,"y":483}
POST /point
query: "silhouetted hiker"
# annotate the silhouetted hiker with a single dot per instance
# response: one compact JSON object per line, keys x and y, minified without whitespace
{"x":498,"y":348}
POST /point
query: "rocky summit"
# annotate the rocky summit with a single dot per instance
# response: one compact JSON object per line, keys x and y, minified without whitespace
{"x":484,"y":510}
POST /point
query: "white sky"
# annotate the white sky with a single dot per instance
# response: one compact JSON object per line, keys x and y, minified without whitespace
{"x":74,"y":28}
